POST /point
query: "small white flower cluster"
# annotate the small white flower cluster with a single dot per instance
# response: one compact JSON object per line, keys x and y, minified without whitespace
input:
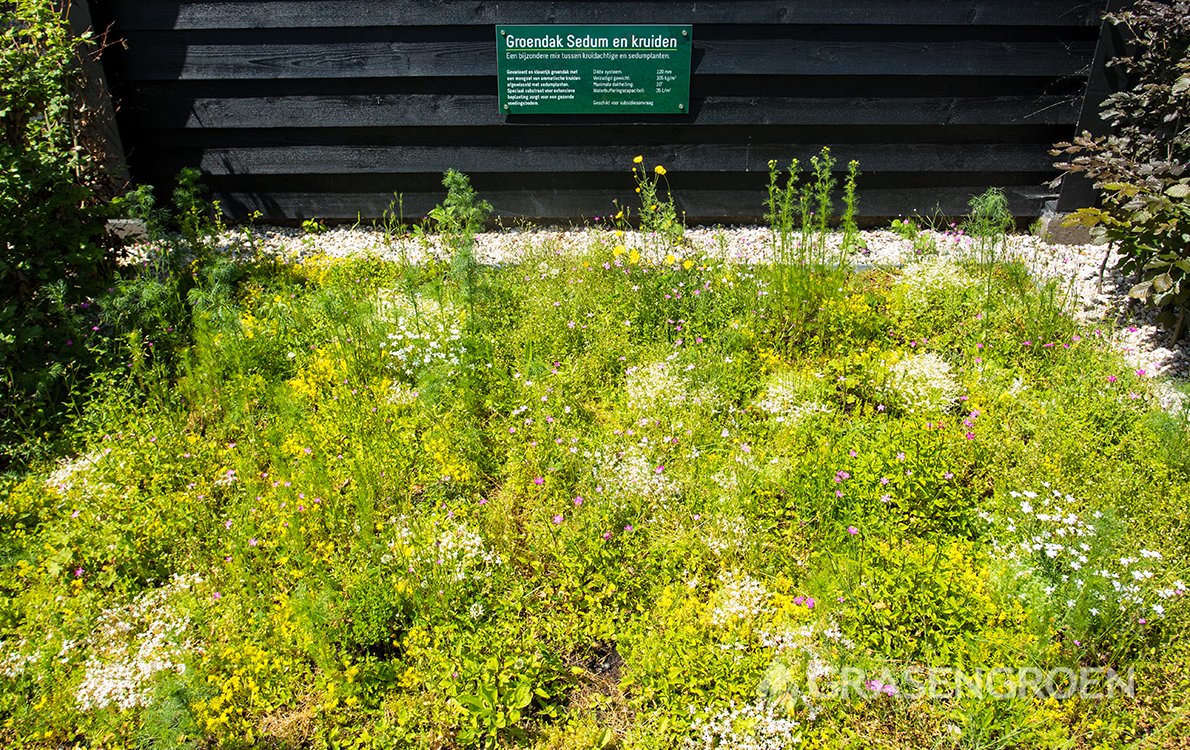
{"x":654,"y":386}
{"x":131,"y":645}
{"x":740,"y":597}
{"x":725,"y":535}
{"x":225,"y":478}
{"x":461,"y":552}
{"x":922,"y":383}
{"x":927,"y":281}
{"x":1054,"y":536}
{"x":753,"y":726}
{"x":629,"y":474}
{"x":77,"y":473}
{"x":424,"y":336}
{"x":727,"y":480}
{"x":782,"y":400}
{"x":800,"y":646}
{"x":400,"y":394}
{"x":13,"y":659}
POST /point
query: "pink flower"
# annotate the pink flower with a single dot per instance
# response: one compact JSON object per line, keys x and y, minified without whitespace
{"x":970,"y":436}
{"x":538,"y":481}
{"x":253,"y":542}
{"x":578,"y":500}
{"x":607,"y":535}
{"x":78,"y":572}
{"x":628,"y":527}
{"x":216,"y":596}
{"x":659,"y":470}
{"x":876,"y":686}
{"x":557,"y":519}
{"x":852,"y":530}
{"x":75,"y":514}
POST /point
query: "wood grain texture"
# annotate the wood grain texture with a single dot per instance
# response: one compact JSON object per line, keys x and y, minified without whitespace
{"x":159,"y":58}
{"x":892,"y":157}
{"x":432,"y":110}
{"x":173,"y":14}
{"x":325,"y":107}
{"x":701,"y":206}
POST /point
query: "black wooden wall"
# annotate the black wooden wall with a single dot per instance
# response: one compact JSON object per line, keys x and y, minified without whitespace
{"x":325,"y":108}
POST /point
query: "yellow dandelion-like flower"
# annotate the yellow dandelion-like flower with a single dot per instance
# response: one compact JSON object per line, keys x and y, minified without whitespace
{"x":619,"y":214}
{"x":637,"y":159}
{"x":659,"y":169}
{"x":634,"y":257}
{"x":670,"y":259}
{"x":687,"y":264}
{"x":618,"y":250}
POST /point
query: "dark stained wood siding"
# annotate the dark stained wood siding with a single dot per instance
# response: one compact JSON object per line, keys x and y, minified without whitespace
{"x":326,"y":108}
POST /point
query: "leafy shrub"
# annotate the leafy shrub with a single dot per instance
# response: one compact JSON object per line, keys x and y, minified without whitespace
{"x":1140,"y":168}
{"x":50,"y":260}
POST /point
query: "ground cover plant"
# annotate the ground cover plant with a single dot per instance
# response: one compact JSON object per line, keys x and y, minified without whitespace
{"x":618,"y":495}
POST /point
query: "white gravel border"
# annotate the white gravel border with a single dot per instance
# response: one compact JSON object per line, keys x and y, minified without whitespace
{"x":1093,"y":299}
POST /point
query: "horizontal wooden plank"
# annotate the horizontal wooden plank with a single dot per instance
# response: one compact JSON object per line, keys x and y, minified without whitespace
{"x":731,"y":157}
{"x":608,"y":137}
{"x":160,"y":58}
{"x":161,"y":110}
{"x":701,"y":206}
{"x":175,"y":14}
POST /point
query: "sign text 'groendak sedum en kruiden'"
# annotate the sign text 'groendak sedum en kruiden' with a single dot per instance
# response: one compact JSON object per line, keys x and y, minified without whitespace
{"x":603,"y":69}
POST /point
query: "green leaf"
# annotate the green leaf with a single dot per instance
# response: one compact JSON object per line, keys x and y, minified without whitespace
{"x":520,"y":696}
{"x":1180,"y":190}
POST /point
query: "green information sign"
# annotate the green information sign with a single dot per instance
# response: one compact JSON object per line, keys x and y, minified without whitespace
{"x":605,"y":69}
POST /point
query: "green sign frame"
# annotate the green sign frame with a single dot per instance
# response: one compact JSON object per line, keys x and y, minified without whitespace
{"x":560,"y":69}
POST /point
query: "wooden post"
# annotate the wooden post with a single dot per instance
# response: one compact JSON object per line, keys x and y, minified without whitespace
{"x":99,"y":125}
{"x":1077,"y":191}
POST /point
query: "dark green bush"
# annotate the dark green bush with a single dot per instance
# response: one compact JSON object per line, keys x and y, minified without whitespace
{"x":1140,"y":168}
{"x":50,"y":259}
